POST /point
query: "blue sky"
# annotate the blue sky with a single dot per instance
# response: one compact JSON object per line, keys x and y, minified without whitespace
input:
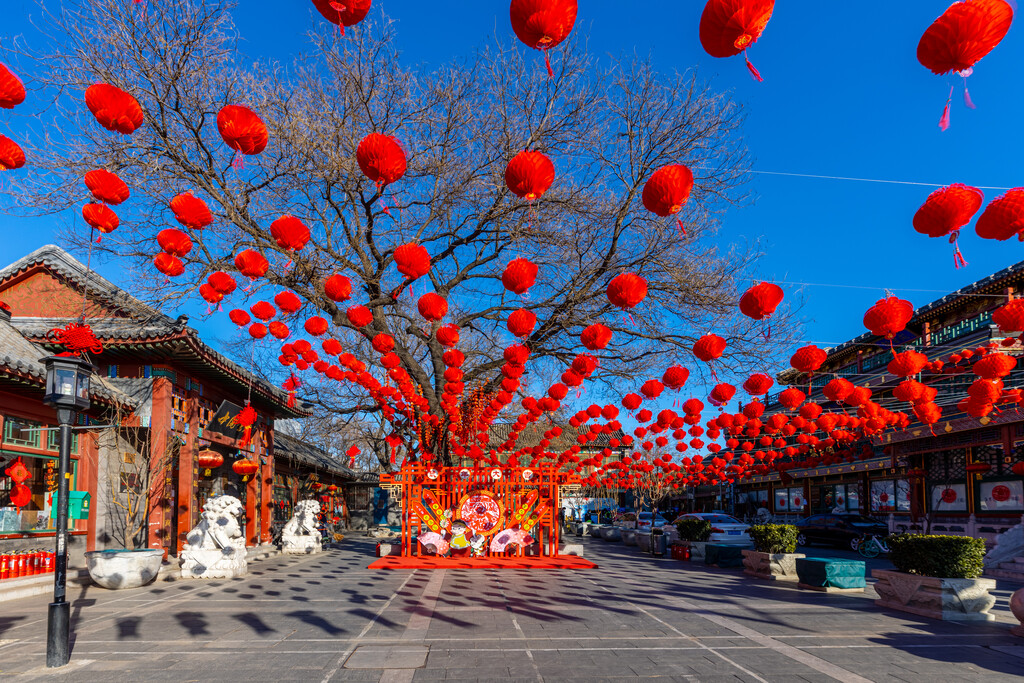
{"x":843,"y":96}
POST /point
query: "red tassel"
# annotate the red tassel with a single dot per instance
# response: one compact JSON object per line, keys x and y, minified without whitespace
{"x":967,"y":97}
{"x":238,"y":163}
{"x":753,"y":70}
{"x":547,"y":62}
{"x":944,"y":121}
{"x":682,"y":228}
{"x":244,"y":443}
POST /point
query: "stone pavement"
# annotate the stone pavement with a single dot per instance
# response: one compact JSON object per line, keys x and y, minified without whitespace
{"x":327,"y":618}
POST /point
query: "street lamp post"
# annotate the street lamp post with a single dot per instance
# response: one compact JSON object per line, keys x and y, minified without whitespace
{"x":67,"y":390}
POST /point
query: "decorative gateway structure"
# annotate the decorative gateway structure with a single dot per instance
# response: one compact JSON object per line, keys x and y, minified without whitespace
{"x":480,"y":516}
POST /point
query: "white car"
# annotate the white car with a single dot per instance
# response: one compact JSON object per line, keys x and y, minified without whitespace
{"x":724,"y":528}
{"x":643,"y":520}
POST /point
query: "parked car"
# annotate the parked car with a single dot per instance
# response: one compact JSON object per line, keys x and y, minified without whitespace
{"x":643,"y":520}
{"x":840,"y":529}
{"x":724,"y":528}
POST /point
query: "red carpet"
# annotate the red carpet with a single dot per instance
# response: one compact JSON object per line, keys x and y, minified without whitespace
{"x":434,"y":562}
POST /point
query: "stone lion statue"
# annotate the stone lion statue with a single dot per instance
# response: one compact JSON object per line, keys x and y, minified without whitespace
{"x":300,"y":535}
{"x":216,"y":547}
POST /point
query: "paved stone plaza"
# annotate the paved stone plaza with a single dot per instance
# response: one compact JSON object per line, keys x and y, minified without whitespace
{"x":327,"y":617}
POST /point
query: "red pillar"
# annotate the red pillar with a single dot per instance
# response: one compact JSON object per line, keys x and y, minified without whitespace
{"x":267,"y":479}
{"x":159,"y":430}
{"x":88,"y":480}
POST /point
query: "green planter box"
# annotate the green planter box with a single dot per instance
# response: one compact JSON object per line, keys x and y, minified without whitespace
{"x":723,"y":555}
{"x":820,"y":573}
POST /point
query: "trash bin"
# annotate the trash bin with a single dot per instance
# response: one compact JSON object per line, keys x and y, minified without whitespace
{"x":659,"y":543}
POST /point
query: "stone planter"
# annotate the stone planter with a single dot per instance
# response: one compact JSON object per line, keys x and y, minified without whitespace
{"x":696,"y":549}
{"x":773,"y":567}
{"x":643,"y":541}
{"x":629,"y":536}
{"x":927,"y":596}
{"x":1017,"y":608}
{"x":117,"y":569}
{"x":595,"y":530}
{"x":611,"y":533}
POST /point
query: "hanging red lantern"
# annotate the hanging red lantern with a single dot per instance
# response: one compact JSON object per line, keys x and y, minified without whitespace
{"x":722,"y":394}
{"x":209,"y":294}
{"x":412,"y":260}
{"x":106,"y":186}
{"x":595,"y":337}
{"x":381,"y":159}
{"x":709,"y":347}
{"x":175,"y":242}
{"x":242,"y":130}
{"x":338,"y":288}
{"x":239,"y":317}
{"x":288,"y":302}
{"x":760,"y":301}
{"x":20,"y":495}
{"x":1003,"y":217}
{"x":316,"y":326}
{"x":448,"y":335}
{"x":651,"y":389}
{"x":279,"y":330}
{"x":222,"y":282}
{"x":1010,"y":316}
{"x":808,"y":358}
{"x":631,"y":401}
{"x":908,"y":390}
{"x":101,"y":217}
{"x":251,"y":264}
{"x":343,"y":13}
{"x":994,"y":366}
{"x":12,"y":90}
{"x":209,"y":460}
{"x":169,"y":265}
{"x":1018,"y":468}
{"x":113,"y":108}
{"x":758,"y":384}
{"x":12,"y":157}
{"x":729,"y":27}
{"x":543,"y":24}
{"x":519,"y":275}
{"x":432,"y":307}
{"x":946,"y":211}
{"x":957,"y":40}
{"x":258,"y":331}
{"x":359,"y":316}
{"x":675,"y":377}
{"x":263,"y":310}
{"x":627,"y":290}
{"x":907,"y":363}
{"x":245,"y":468}
{"x":383,"y":343}
{"x":521,"y":322}
{"x":888,"y":317}
{"x":667,"y":191}
{"x":529,"y":175}
{"x":290,"y":233}
{"x":791,"y":398}
{"x":191,"y":211}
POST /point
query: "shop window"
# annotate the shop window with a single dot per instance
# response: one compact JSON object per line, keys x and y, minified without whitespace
{"x":949,"y":498}
{"x":21,"y":432}
{"x":890,"y":495}
{"x":1001,"y":496}
{"x":53,"y":440}
{"x":35,"y":516}
{"x":790,"y":500}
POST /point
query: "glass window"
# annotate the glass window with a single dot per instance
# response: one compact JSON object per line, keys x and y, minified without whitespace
{"x":21,"y":432}
{"x":35,"y":515}
{"x":949,"y":498}
{"x":1001,"y":495}
{"x":789,"y":500}
{"x":53,"y":440}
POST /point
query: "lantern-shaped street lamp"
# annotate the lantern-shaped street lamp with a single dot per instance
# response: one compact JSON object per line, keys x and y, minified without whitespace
{"x":68,"y":380}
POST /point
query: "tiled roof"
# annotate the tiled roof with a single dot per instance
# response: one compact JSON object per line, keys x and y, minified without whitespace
{"x":289,"y":448}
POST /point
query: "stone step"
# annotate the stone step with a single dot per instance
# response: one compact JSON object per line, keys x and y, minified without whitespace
{"x":1019,"y":560}
{"x":1005,"y":574}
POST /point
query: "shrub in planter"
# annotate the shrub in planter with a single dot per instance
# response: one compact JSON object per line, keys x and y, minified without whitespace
{"x":944,"y":557}
{"x":773,"y":538}
{"x":694,"y":530}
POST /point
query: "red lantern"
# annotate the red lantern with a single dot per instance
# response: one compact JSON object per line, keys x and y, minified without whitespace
{"x":239,"y":317}
{"x":12,"y":90}
{"x":242,"y":130}
{"x":1003,"y":217}
{"x":383,"y":343}
{"x":381,"y":159}
{"x":359,"y":316}
{"x":1010,"y":317}
{"x":760,"y":301}
{"x":888,"y":317}
{"x":519,"y":275}
{"x":279,"y":329}
{"x":263,"y":310}
{"x":338,"y":288}
{"x":1018,"y":468}
{"x":729,"y":27}
{"x":12,"y":157}
{"x":169,"y":265}
{"x":258,"y":331}
{"x":529,"y":175}
{"x":222,"y":282}
{"x":946,"y":211}
{"x":412,"y":260}
{"x":908,"y":390}
{"x":316,"y":326}
{"x":808,"y":358}
{"x":191,"y":211}
{"x":106,"y":186}
{"x":994,"y":366}
{"x":722,"y":393}
{"x":432,"y":307}
{"x":758,"y":384}
{"x":113,"y":108}
{"x":627,"y":290}
{"x":521,"y":322}
{"x":667,"y":191}
{"x":907,"y":363}
{"x":675,"y":377}
{"x":245,"y":468}
{"x":101,"y":217}
{"x":596,"y":337}
{"x":791,"y":398}
{"x":209,"y":460}
{"x":631,"y":401}
{"x":174,"y":242}
{"x":289,"y":233}
{"x":343,"y":13}
{"x":651,"y":389}
{"x":448,"y":335}
{"x":709,"y":347}
{"x":251,"y":264}
{"x":543,"y":24}
{"x":979,"y":467}
{"x":288,"y":302}
{"x":20,"y":495}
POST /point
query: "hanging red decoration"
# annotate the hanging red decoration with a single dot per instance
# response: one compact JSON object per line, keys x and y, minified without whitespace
{"x":432,"y":307}
{"x":383,"y":343}
{"x":1003,"y":217}
{"x":994,"y":366}
{"x":808,"y":358}
{"x":675,"y":377}
{"x":76,"y":338}
{"x":278,"y":329}
{"x":381,"y":159}
{"x":263,"y":310}
{"x":175,"y":242}
{"x":519,"y":275}
{"x":20,"y":495}
{"x":888,"y":317}
{"x":595,"y":337}
{"x":758,"y":384}
{"x":359,"y":316}
{"x":288,"y":302}
{"x":239,"y":317}
{"x":448,"y":335}
{"x":169,"y":265}
{"x":529,"y":175}
{"x":191,"y":211}
{"x":242,"y":130}
{"x":412,"y":260}
{"x":709,"y":347}
{"x":258,"y":331}
{"x":101,"y":217}
{"x":245,"y":468}
{"x":222,"y":282}
{"x":907,"y":363}
{"x":209,"y":294}
{"x":760,"y":301}
{"x":652,"y":389}
{"x":12,"y":90}
{"x":290,"y":233}
{"x":521,"y":322}
{"x":316,"y":326}
{"x":627,"y":290}
{"x":791,"y":398}
{"x":338,"y":288}
{"x":1010,"y":316}
{"x":343,"y":13}
{"x":729,"y":27}
{"x":12,"y":157}
{"x":251,"y":264}
{"x":543,"y":24}
{"x":722,"y":393}
{"x":667,"y":191}
{"x":106,"y":186}
{"x":17,"y":472}
{"x":209,"y":460}
{"x":113,"y":108}
{"x":946,"y":211}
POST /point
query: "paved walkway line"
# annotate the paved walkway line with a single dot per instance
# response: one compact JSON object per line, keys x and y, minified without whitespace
{"x":419,"y":622}
{"x":519,"y":629}
{"x":355,"y":643}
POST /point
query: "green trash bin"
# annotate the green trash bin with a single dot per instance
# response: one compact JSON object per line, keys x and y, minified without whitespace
{"x":827,"y":572}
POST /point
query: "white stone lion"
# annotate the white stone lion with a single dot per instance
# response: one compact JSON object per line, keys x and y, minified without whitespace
{"x":300,"y":535}
{"x":216,"y":547}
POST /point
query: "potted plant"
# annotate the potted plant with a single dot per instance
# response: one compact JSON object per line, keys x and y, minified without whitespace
{"x":694,"y":533}
{"x":772,"y":557}
{"x":936,"y":577}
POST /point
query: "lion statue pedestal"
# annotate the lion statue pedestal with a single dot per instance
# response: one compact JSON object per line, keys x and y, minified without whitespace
{"x":299,"y":536}
{"x":216,"y":547}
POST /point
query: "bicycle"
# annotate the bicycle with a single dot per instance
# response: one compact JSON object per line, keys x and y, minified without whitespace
{"x":871,"y":546}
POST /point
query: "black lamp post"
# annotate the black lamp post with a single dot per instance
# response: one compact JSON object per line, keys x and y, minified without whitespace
{"x":67,"y":390}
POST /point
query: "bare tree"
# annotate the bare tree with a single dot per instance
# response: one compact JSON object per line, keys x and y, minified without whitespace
{"x":606,"y":124}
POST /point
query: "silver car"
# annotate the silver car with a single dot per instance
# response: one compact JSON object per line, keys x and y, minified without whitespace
{"x":724,"y":528}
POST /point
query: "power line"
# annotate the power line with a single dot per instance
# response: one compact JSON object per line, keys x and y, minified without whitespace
{"x":859,"y":180}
